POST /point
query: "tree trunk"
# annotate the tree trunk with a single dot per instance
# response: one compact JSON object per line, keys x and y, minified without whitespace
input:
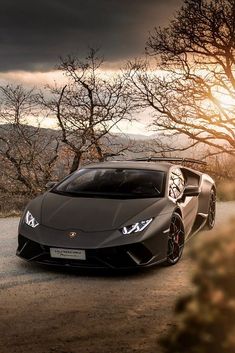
{"x":99,"y":152}
{"x":76,"y":161}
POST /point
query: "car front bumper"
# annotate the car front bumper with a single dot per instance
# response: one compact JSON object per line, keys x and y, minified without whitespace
{"x":118,"y":257}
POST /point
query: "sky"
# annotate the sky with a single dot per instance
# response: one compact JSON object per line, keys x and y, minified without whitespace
{"x":35,"y":34}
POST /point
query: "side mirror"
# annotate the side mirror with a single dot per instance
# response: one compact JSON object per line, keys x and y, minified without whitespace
{"x":191,"y":190}
{"x":50,"y":184}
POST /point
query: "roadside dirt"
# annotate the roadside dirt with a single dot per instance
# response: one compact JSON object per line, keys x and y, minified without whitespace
{"x":60,"y":311}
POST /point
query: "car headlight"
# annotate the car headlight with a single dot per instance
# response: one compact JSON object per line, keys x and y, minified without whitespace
{"x":30,"y":220}
{"x":137,"y":227}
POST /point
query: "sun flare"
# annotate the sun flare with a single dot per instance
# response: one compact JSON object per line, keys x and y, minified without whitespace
{"x":225,"y":99}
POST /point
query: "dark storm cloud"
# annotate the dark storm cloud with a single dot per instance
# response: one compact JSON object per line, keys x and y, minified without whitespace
{"x":33,"y":34}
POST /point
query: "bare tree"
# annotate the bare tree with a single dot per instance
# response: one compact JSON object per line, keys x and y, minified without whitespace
{"x":192,"y":90}
{"x":88,"y":106}
{"x":27,"y":155}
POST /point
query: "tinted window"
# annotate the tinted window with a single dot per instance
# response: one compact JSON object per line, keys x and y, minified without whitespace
{"x":176,"y":183}
{"x":124,"y":183}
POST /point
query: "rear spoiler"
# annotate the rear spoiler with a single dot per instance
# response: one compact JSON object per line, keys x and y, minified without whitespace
{"x":169,"y":159}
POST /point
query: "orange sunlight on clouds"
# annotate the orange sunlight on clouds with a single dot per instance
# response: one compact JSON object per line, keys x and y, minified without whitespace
{"x":32,"y":79}
{"x":40,"y":79}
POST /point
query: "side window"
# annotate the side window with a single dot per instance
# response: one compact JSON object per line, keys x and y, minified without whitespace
{"x":176,"y":183}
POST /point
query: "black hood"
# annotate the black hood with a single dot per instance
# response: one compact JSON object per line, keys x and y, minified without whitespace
{"x":92,"y":214}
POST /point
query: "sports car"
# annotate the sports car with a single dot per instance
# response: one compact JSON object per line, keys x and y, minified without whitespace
{"x":119,"y":214}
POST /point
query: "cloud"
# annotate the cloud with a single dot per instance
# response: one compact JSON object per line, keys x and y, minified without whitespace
{"x":34,"y":34}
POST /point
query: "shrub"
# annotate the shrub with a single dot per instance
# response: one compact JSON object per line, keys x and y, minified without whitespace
{"x":207,"y":316}
{"x":226,"y":191}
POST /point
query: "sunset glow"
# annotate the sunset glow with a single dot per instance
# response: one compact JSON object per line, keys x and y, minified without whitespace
{"x":32,"y":79}
{"x":226,"y":100}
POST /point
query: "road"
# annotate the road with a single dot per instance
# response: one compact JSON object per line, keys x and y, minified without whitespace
{"x":61,"y":311}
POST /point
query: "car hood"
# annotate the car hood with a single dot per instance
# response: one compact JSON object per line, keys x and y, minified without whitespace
{"x":93,"y":214}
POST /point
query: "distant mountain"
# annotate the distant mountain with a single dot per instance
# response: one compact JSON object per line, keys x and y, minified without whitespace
{"x":143,"y":143}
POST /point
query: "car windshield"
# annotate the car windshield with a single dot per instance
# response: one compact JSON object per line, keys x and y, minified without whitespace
{"x":113,"y":183}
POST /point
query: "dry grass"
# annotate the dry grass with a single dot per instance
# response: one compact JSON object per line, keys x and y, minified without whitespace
{"x":12,"y":205}
{"x":13,"y":213}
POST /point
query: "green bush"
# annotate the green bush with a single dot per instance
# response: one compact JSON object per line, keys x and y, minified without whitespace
{"x":206,"y":317}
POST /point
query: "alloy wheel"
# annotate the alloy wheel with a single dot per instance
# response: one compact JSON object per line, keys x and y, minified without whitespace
{"x":175,"y":240}
{"x":212,"y":210}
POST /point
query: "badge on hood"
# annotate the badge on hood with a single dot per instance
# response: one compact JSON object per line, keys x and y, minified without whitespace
{"x":72,"y":235}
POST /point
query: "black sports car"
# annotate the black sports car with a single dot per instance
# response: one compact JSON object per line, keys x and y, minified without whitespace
{"x":119,"y":214}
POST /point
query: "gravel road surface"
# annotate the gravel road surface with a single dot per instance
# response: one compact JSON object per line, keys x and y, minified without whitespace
{"x":62,"y":311}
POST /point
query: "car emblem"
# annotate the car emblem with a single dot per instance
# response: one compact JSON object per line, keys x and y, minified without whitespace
{"x":72,"y":235}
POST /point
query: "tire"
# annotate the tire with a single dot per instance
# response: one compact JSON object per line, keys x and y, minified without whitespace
{"x":176,"y":238}
{"x":210,"y":222}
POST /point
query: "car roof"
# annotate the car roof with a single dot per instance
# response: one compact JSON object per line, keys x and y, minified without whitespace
{"x":158,"y":166}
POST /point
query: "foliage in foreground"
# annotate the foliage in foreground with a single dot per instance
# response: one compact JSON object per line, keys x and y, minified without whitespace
{"x":226,"y":191}
{"x":207,"y":315}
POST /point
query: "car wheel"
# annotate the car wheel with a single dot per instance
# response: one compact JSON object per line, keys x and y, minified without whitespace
{"x":212,"y":210}
{"x":175,"y":240}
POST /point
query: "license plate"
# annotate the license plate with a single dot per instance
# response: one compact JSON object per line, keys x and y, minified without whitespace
{"x":68,"y":254}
